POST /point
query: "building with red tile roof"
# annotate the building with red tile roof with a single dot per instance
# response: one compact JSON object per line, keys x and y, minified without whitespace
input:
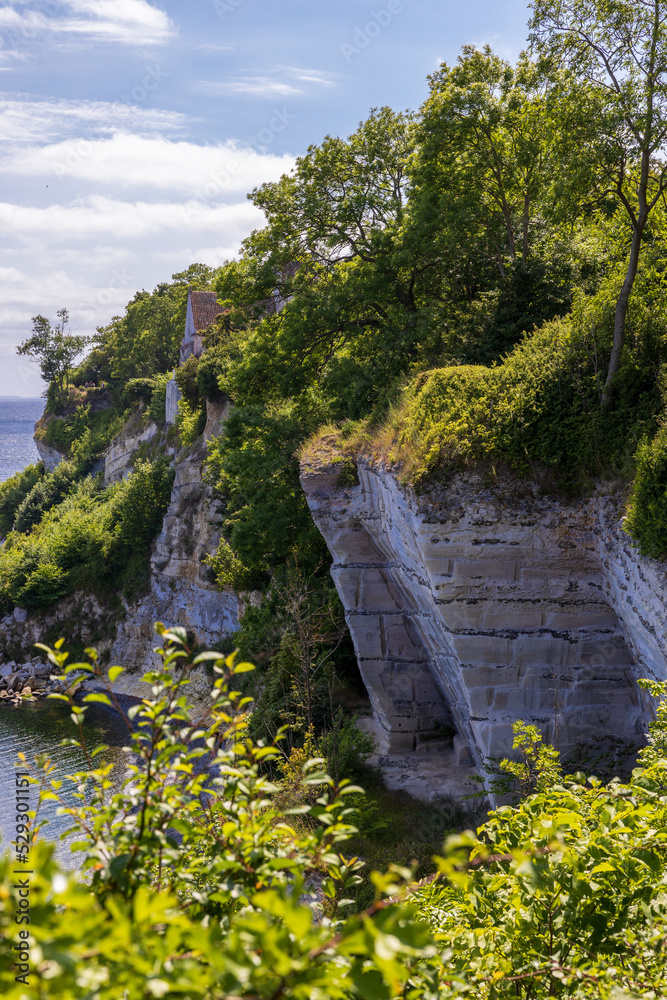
{"x":203,"y":308}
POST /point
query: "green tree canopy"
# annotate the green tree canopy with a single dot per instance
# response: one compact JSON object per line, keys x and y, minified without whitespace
{"x":54,"y":349}
{"x":615,"y":114}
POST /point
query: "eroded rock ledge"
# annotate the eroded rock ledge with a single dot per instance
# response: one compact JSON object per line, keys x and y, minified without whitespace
{"x":475,"y":605}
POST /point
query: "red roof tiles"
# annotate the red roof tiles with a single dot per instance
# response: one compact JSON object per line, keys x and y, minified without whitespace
{"x":205,"y":308}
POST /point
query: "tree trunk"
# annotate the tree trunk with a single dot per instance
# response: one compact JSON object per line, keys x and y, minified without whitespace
{"x":526,"y":225}
{"x":622,"y":311}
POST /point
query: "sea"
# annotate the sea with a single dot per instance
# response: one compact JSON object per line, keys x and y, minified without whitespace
{"x":42,"y":728}
{"x":17,"y":426}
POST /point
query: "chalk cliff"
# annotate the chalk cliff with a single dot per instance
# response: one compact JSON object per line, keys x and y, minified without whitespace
{"x":479,"y":603}
{"x":182,"y":588}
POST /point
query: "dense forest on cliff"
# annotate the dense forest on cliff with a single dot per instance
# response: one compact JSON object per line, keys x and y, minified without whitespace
{"x":478,"y":281}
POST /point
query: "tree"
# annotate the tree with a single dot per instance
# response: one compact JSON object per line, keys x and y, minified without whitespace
{"x":54,"y":349}
{"x":483,"y":151}
{"x":616,"y":53}
{"x":352,"y":319}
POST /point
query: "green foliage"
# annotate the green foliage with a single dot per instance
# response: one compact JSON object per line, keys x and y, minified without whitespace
{"x":199,"y":879}
{"x":14,"y":491}
{"x":190,"y":423}
{"x":144,"y":342}
{"x":542,"y":403}
{"x":55,"y":351}
{"x":187,"y":381}
{"x":47,"y":492}
{"x":138,"y":389}
{"x":254,"y":468}
{"x":647,"y":511}
{"x":344,"y":746}
{"x":158,"y":404}
{"x":138,"y":504}
{"x":562,"y":894}
{"x":196,"y":874}
{"x":209,"y":372}
{"x":94,"y":539}
{"x":84,"y":435}
{"x":535,"y":766}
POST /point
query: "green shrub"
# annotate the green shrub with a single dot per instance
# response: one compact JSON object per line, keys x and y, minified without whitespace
{"x":138,"y":504}
{"x":195,"y":885}
{"x":14,"y":491}
{"x":190,"y":423}
{"x":254,"y":468}
{"x":45,"y":494}
{"x":212,"y":364}
{"x":647,"y":511}
{"x":187,"y":381}
{"x":47,"y":583}
{"x":158,"y":404}
{"x":138,"y":389}
{"x":93,"y":539}
{"x":84,"y":436}
{"x":541,"y":405}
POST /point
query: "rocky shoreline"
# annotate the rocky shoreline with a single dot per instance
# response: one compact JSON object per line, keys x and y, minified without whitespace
{"x":27,"y":681}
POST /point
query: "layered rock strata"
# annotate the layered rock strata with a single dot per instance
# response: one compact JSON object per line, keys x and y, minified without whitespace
{"x":476,"y":605}
{"x":182,"y":588}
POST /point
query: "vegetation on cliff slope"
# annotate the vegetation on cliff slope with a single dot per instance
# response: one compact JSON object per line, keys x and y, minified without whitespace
{"x":204,"y":879}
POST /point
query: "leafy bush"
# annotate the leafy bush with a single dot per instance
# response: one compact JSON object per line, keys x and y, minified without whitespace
{"x":211,"y":368}
{"x":139,"y":389}
{"x":84,"y":436}
{"x":195,"y":875}
{"x":93,"y":539}
{"x":647,"y":511}
{"x":187,"y":381}
{"x":158,"y":404}
{"x":14,"y":491}
{"x":138,"y":504}
{"x":45,"y":494}
{"x":190,"y":423}
{"x":254,"y":468}
{"x":540,"y":405}
{"x":199,"y":882}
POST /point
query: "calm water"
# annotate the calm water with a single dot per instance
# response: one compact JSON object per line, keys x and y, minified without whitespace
{"x":17,"y":424}
{"x":39,"y":728}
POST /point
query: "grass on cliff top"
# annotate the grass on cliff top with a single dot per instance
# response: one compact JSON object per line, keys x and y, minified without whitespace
{"x":538,"y":408}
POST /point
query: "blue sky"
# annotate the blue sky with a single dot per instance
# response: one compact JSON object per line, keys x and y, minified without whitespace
{"x":131,"y":130}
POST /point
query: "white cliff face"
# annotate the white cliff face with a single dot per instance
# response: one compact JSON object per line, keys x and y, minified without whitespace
{"x":51,"y":457}
{"x":182,"y":588}
{"x":478,"y":605}
{"x":123,"y":449}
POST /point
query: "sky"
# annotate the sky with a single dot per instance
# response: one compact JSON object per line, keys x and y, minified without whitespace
{"x":132,"y":130}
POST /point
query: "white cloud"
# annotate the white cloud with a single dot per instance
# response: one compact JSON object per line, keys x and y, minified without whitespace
{"x":24,"y":121}
{"x":135,"y":204}
{"x":254,"y":86}
{"x":130,"y":22}
{"x":99,"y":216}
{"x":285,"y":82}
{"x":209,"y":173}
